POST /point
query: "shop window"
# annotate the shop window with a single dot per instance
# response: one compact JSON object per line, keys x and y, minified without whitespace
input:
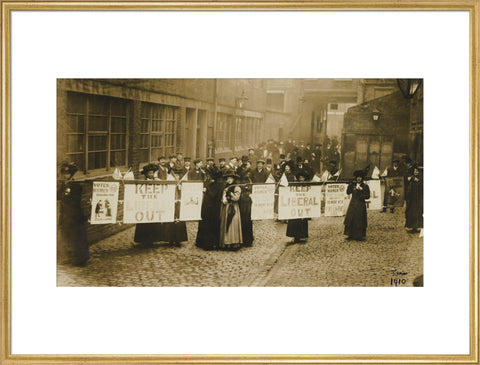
{"x":96,"y":131}
{"x":157,"y":131}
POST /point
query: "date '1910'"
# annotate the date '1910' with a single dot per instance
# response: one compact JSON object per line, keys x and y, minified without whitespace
{"x":398,"y":280}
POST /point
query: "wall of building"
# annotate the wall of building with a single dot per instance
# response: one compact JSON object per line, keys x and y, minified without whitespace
{"x":365,"y":141}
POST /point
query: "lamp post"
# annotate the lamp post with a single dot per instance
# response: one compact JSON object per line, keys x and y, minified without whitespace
{"x":375,"y":114}
{"x":409,"y":87}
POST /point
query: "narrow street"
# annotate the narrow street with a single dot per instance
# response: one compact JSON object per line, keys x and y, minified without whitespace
{"x":326,"y":259}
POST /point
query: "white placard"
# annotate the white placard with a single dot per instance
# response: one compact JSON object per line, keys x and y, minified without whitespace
{"x":104,"y":202}
{"x":299,"y":201}
{"x":191,"y":201}
{"x":375,"y":201}
{"x":149,"y":203}
{"x":263,"y":199}
{"x":336,"y":200}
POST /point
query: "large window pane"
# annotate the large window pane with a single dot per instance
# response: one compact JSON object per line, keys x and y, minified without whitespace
{"x":119,"y":125}
{"x":98,"y":105}
{"x":75,"y":143}
{"x":98,"y":124}
{"x":97,"y":160}
{"x":97,"y":143}
{"x":117,"y":141}
{"x":75,"y":123}
{"x":119,"y":108}
{"x":144,"y":155}
{"x":144,"y":138}
{"x":117,"y":158}
{"x":144,"y":128}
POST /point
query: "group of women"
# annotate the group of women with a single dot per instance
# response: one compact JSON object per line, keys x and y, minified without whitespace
{"x":226,"y":216}
{"x":226,"y":213}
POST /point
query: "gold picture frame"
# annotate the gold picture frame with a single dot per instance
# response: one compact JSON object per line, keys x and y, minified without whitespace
{"x":470,"y":6}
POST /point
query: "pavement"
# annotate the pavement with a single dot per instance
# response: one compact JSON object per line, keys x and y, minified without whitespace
{"x":388,"y":257}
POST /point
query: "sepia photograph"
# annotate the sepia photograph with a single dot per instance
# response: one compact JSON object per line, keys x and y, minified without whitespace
{"x":240,"y":182}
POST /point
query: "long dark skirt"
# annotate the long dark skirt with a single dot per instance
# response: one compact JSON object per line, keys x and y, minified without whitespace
{"x":356,"y":220}
{"x":147,"y":232}
{"x":297,"y":228}
{"x":208,"y":233}
{"x":173,"y":232}
{"x":245,"y":206}
{"x":73,"y":241}
{"x":414,"y":215}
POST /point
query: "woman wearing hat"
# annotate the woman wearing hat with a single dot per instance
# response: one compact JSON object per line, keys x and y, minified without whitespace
{"x":356,"y":217}
{"x":209,"y":226}
{"x":298,"y":228}
{"x":230,"y":219}
{"x":147,"y":233}
{"x":414,"y":199}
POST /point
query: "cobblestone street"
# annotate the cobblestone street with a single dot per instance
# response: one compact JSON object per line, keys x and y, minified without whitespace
{"x":326,"y":259}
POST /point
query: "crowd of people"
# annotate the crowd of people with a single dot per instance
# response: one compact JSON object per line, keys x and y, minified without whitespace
{"x":226,"y":222}
{"x":226,"y":209}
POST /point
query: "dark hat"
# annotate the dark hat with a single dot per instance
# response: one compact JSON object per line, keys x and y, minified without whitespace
{"x":269,"y":161}
{"x":187,"y":159}
{"x":230,"y":173}
{"x":396,"y":161}
{"x":299,"y":159}
{"x":210,"y":159}
{"x":333,"y":162}
{"x":244,"y":158}
{"x":162,"y":158}
{"x":221,"y":159}
{"x":359,"y":173}
{"x":260,"y":161}
{"x":68,"y":168}
{"x":302,"y":173}
{"x":197,"y":161}
{"x":251,"y":149}
{"x":149,"y":167}
{"x":282,"y":156}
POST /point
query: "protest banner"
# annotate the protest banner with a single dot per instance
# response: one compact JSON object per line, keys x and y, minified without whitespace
{"x":149,"y":203}
{"x":191,"y":201}
{"x":263,"y":198}
{"x":395,"y":191}
{"x":104,"y":202}
{"x":375,"y":201}
{"x":299,"y":201}
{"x":336,"y":200}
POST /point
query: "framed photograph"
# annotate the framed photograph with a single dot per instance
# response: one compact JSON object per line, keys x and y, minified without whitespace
{"x":240,"y":182}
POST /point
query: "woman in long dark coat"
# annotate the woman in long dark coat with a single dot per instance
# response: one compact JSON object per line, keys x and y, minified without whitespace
{"x":147,"y":233}
{"x":298,"y":228}
{"x":245,"y":205}
{"x":73,"y":243}
{"x":356,"y":217}
{"x":414,"y":198}
{"x":208,"y":232}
